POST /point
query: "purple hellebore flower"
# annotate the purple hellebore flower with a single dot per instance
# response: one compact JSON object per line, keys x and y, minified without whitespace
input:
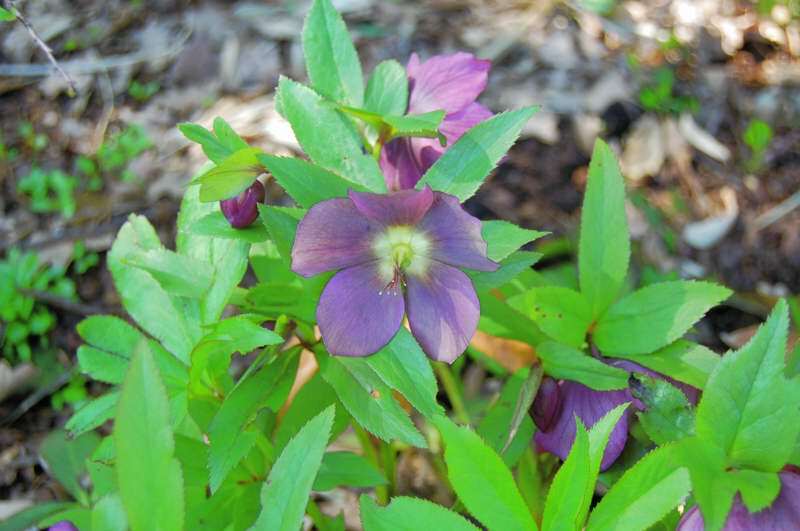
{"x":63,"y":525}
{"x":590,"y":406}
{"x":450,"y":83}
{"x":784,"y":513}
{"x":242,"y":210}
{"x":396,"y":254}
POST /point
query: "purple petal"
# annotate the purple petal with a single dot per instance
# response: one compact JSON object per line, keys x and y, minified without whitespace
{"x":405,"y":160}
{"x":406,"y":207}
{"x":446,"y":82}
{"x":355,"y":315}
{"x":242,"y":210}
{"x":332,"y":235}
{"x":547,"y":405}
{"x":63,"y":525}
{"x":590,"y":406}
{"x":455,"y":125}
{"x":455,"y":235}
{"x":443,"y":311}
{"x":784,"y":513}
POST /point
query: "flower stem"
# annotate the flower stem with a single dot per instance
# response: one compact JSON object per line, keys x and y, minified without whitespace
{"x":452,"y":390}
{"x":381,"y":491}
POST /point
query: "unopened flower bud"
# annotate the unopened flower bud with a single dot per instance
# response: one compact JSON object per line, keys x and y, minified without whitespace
{"x":547,"y":404}
{"x":242,"y":210}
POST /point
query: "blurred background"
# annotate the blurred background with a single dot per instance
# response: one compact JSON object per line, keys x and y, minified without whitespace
{"x":701,"y":100}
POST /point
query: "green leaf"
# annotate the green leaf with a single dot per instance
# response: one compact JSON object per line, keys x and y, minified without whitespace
{"x":346,"y":469}
{"x":142,"y":296}
{"x":604,"y":248}
{"x":573,"y":486}
{"x":561,"y":313}
{"x":230,"y":440}
{"x":80,"y":516}
{"x":387,"y":89}
{"x":66,"y":460}
{"x":242,"y":333}
{"x":500,"y":319}
{"x":92,"y":414}
{"x":667,"y":415}
{"x":759,"y":489}
{"x":327,"y":136}
{"x":306,"y":183}
{"x":749,"y":396}
{"x":177,"y":274}
{"x":565,"y":362}
{"x":369,"y":400}
{"x":6,"y":15}
{"x":218,"y":145}
{"x":230,"y":177}
{"x":682,"y":360}
{"x":643,"y":495}
{"x":110,"y":333}
{"x":496,"y":426}
{"x":416,"y":125}
{"x":227,"y":136}
{"x":281,"y":224}
{"x":510,"y":268}
{"x":331,"y":59}
{"x":503,"y":238}
{"x":465,"y":165}
{"x":108,"y":514}
{"x":481,"y":480}
{"x":149,"y":477}
{"x":404,"y":367}
{"x":655,"y":316}
{"x":30,"y":517}
{"x":215,"y":224}
{"x":409,"y":514}
{"x":101,"y":365}
{"x":525,"y":396}
{"x":285,"y":493}
{"x":712,"y":486}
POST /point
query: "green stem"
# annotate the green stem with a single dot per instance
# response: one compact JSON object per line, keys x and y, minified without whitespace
{"x":316,"y":516}
{"x":452,"y":391}
{"x":388,"y":456}
{"x":381,"y":491}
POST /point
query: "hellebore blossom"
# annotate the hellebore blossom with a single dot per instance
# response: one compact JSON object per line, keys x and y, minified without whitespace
{"x":784,"y":513}
{"x":557,"y":404}
{"x":450,"y":83}
{"x":242,"y":210}
{"x":396,"y":254}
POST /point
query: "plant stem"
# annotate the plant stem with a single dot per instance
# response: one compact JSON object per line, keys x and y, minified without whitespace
{"x":388,"y":456}
{"x":452,"y":391}
{"x":316,"y":516}
{"x":381,"y":491}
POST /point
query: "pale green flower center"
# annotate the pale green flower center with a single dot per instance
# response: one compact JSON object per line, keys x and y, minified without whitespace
{"x":401,"y":249}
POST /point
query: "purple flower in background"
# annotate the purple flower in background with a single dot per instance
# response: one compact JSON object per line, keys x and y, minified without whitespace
{"x":242,"y":210}
{"x":557,"y":435}
{"x":450,"y":83}
{"x":63,"y":525}
{"x":395,"y":254}
{"x":784,"y":513}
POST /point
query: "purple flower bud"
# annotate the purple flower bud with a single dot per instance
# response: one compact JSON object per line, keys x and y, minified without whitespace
{"x":242,"y":210}
{"x":63,"y":525}
{"x":547,"y":405}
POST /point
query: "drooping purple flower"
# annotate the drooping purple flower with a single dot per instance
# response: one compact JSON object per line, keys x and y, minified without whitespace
{"x":783,"y":514}
{"x":396,"y":254}
{"x":450,"y":83}
{"x":590,"y":406}
{"x":63,"y":525}
{"x":242,"y":210}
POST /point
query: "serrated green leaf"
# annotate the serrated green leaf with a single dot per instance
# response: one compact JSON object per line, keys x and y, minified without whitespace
{"x":149,"y":477}
{"x":503,"y":238}
{"x":108,"y":514}
{"x":758,"y":489}
{"x":177,"y":274}
{"x":369,"y":400}
{"x":227,"y":136}
{"x":464,"y":166}
{"x":306,"y":183}
{"x":525,"y":396}
{"x":110,"y":333}
{"x":215,"y":224}
{"x":346,"y":469}
{"x":510,"y":268}
{"x":327,"y":136}
{"x":102,"y":365}
{"x":643,"y":495}
{"x":408,"y":514}
{"x":682,"y":360}
{"x":561,"y":313}
{"x":604,"y":248}
{"x":230,"y":177}
{"x":331,"y":59}
{"x":424,"y":125}
{"x":565,"y":362}
{"x":481,"y":480}
{"x":218,"y":145}
{"x":667,"y":415}
{"x":655,"y":316}
{"x":748,"y":396}
{"x":92,"y":414}
{"x":387,"y":89}
{"x":712,"y":487}
{"x":285,"y":493}
{"x":230,"y":440}
{"x":66,"y":460}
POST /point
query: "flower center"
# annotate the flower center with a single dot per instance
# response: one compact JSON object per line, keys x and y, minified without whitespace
{"x":400,"y":250}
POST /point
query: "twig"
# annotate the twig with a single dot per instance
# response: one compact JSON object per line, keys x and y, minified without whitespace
{"x":43,"y":391}
{"x":11,"y":6}
{"x":774,"y":214}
